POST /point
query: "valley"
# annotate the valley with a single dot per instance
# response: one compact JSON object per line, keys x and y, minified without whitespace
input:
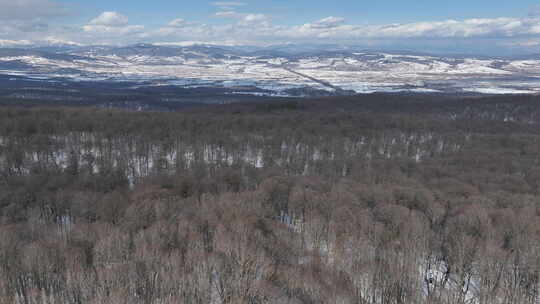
{"x":275,"y":73}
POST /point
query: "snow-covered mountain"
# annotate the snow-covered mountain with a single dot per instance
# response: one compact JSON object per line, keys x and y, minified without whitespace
{"x":277,"y":71}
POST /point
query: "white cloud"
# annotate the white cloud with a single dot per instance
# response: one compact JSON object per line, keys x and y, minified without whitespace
{"x":46,"y":41}
{"x":31,"y":9}
{"x":59,"y":41}
{"x":179,"y":26}
{"x":245,"y":19}
{"x":254,"y":28}
{"x":110,"y":19}
{"x":14,"y":43}
{"x":179,"y":23}
{"x":28,"y":20}
{"x":227,"y":4}
{"x":112,"y":25}
{"x":496,"y":27}
{"x":328,"y":22}
{"x":258,"y":29}
{"x":333,"y":27}
{"x":228,"y":14}
{"x":113,"y":30}
{"x":255,"y":18}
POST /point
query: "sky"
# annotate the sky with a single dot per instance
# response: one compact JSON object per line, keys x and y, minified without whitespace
{"x":459,"y":26}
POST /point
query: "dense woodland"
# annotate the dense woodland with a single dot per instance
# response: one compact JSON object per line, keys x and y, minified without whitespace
{"x":380,"y":199}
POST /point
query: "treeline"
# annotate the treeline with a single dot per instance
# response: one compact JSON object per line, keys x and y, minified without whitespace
{"x":326,"y":201}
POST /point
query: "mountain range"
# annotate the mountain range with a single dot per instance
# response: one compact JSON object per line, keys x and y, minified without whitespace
{"x":285,"y":70}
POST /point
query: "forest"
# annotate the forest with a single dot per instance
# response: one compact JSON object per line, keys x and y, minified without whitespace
{"x":375,"y":199}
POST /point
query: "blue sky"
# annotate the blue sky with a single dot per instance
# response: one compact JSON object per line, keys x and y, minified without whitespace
{"x":474,"y":26}
{"x":309,"y":10}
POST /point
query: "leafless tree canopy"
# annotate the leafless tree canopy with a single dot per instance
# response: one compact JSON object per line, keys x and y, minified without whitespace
{"x":339,"y":201}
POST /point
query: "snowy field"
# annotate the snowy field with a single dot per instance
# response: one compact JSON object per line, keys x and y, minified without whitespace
{"x":358,"y":72}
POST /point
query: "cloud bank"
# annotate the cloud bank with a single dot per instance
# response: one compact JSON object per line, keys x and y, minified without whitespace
{"x":112,"y":24}
{"x":30,"y":9}
{"x":21,"y":22}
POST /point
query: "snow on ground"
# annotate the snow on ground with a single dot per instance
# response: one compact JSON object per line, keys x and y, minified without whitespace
{"x":360,"y":72}
{"x":500,"y":90}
